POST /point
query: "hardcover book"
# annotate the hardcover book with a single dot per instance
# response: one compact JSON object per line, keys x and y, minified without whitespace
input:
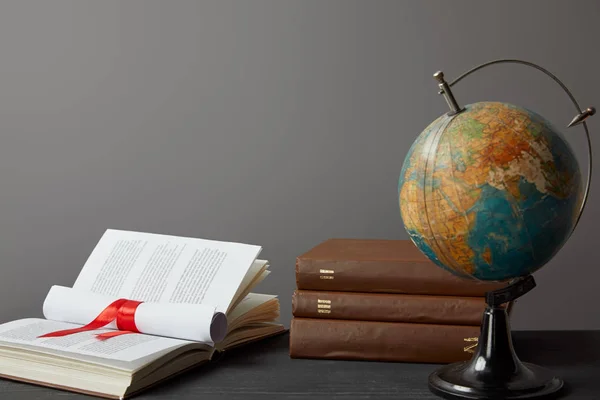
{"x":450,"y":310}
{"x":144,"y":308}
{"x":385,"y":266}
{"x":381,"y":341}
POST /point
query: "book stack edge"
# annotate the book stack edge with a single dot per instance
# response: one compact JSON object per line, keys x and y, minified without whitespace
{"x":382,"y":300}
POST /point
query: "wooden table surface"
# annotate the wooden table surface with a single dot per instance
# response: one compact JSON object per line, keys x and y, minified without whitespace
{"x":264,"y":370}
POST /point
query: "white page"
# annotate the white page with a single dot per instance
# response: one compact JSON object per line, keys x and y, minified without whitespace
{"x":252,"y":278}
{"x":128,"y":347}
{"x":166,"y":269}
{"x":197,"y":322}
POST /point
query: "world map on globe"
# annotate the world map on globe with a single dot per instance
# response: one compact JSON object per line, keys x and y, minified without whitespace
{"x":491,"y":193}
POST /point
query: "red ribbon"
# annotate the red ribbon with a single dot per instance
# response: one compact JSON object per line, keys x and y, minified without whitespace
{"x":121,"y":310}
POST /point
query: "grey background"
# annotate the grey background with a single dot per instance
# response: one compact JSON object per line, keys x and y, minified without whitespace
{"x":276,"y":123}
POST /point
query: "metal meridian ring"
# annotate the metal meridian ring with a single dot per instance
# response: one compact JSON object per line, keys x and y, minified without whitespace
{"x":568,"y":92}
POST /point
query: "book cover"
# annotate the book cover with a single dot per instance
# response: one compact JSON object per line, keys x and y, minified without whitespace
{"x":451,"y":310}
{"x":381,"y":341}
{"x":385,"y":266}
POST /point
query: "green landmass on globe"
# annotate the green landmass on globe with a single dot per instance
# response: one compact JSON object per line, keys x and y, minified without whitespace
{"x":491,"y":193}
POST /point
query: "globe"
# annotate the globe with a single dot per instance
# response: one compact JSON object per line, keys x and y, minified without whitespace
{"x":491,"y":193}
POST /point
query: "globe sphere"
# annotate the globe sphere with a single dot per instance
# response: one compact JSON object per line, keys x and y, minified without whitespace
{"x":491,"y":193}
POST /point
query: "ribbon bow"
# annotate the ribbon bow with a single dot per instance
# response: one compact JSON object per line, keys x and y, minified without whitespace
{"x":121,"y":310}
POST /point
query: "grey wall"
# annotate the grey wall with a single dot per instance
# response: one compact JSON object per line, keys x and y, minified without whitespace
{"x":276,"y":123}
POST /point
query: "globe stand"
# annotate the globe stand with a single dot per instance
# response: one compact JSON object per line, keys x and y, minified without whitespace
{"x":495,"y":371}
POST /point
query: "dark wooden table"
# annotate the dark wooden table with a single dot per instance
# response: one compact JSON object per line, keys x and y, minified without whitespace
{"x":264,"y":370}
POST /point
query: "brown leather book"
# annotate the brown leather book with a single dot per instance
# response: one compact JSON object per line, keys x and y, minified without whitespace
{"x":451,"y":310}
{"x":381,"y":341}
{"x":386,"y":266}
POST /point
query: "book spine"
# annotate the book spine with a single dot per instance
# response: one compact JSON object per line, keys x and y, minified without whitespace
{"x":381,"y":341}
{"x":385,"y":277}
{"x":449,"y":310}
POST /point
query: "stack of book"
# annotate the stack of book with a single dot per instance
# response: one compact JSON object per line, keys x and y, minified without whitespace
{"x":382,"y":300}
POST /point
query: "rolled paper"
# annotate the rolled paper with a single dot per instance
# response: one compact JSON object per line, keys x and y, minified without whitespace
{"x":196,"y":322}
{"x":121,"y":310}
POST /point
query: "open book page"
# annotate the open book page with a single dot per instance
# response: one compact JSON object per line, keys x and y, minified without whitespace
{"x":251,"y":302}
{"x":249,"y":333}
{"x":127,"y":348}
{"x":196,"y":322}
{"x":255,"y":275}
{"x":167,"y":269}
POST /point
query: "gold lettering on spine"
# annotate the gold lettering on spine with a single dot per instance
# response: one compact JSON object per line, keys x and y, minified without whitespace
{"x":326,"y":274}
{"x":323,"y":306}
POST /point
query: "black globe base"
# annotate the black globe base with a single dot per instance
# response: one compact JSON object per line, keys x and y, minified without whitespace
{"x":495,"y":372}
{"x":456,"y":381}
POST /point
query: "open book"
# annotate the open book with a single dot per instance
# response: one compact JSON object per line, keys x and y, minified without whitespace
{"x":143,"y":308}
